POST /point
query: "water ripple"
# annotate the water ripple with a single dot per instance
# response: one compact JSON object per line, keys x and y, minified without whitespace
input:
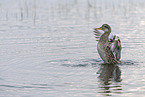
{"x":80,"y":63}
{"x":129,"y":62}
{"x":34,"y":87}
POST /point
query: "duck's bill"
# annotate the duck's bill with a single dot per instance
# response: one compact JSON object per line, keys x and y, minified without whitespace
{"x":98,"y":28}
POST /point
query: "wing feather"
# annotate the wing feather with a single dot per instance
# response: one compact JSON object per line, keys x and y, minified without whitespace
{"x":111,"y":57}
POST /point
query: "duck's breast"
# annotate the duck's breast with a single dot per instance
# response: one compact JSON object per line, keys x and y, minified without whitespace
{"x":102,"y":53}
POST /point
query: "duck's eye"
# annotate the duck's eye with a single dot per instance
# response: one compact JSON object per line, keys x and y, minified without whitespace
{"x":105,"y":27}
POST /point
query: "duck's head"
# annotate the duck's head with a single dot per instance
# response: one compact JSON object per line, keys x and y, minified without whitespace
{"x":105,"y":28}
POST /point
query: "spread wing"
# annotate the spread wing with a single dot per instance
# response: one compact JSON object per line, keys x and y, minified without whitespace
{"x":115,"y":47}
{"x":98,"y":34}
{"x":111,"y":58}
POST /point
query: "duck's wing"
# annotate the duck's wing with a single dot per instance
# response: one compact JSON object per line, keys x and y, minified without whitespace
{"x":98,"y":34}
{"x":111,"y":57}
{"x":115,"y":45}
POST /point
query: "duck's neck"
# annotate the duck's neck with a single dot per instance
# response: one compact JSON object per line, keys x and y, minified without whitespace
{"x":104,"y":37}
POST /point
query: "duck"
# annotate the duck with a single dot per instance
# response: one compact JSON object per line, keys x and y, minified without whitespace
{"x":109,"y":45}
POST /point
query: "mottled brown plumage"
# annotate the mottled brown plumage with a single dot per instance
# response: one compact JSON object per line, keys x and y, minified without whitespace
{"x":104,"y":46}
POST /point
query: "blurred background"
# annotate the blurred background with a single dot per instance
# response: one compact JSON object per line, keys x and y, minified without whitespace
{"x":47,"y":48}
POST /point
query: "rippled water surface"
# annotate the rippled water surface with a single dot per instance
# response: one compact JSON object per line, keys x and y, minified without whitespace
{"x":48,"y":49}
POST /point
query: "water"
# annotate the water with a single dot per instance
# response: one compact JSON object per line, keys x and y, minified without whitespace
{"x":48,"y":49}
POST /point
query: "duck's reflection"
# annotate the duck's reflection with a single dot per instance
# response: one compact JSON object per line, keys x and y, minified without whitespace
{"x":110,"y":79}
